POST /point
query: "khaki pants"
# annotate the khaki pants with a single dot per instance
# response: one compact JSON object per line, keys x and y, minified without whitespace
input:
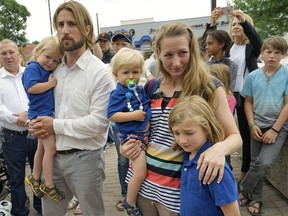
{"x":81,"y":174}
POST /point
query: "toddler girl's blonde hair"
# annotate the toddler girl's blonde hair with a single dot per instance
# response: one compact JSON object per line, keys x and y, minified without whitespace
{"x":126,"y":56}
{"x":50,"y":43}
{"x":196,"y":109}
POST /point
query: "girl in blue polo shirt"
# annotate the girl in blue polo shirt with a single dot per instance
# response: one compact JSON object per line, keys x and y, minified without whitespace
{"x":39,"y":83}
{"x":195,"y":128}
{"x":129,"y":108}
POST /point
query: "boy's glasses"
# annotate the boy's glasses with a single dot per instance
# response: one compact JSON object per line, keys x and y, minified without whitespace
{"x":127,"y":34}
{"x":122,"y":44}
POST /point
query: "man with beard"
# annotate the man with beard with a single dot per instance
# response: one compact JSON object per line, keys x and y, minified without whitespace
{"x":80,"y":126}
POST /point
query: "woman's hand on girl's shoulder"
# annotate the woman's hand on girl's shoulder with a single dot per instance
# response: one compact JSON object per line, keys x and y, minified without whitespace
{"x":211,"y":165}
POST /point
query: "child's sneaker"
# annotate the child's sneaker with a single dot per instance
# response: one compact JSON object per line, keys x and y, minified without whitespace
{"x":34,"y":184}
{"x":131,"y":210}
{"x":52,"y":192}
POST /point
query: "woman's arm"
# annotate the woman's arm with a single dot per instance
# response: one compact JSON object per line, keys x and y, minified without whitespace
{"x":215,"y":15}
{"x":211,"y":162}
{"x":250,"y":32}
{"x":231,"y":209}
{"x":253,"y":37}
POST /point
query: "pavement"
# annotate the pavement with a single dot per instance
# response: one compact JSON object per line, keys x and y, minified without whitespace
{"x":274,"y":203}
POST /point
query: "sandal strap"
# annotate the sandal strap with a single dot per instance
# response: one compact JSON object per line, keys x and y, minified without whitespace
{"x":244,"y":200}
{"x":131,"y":210}
{"x":54,"y":193}
{"x":35,"y":185}
{"x":254,"y":204}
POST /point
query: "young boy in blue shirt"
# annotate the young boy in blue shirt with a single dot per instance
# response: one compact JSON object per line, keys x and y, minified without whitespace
{"x":129,"y":108}
{"x":266,"y":109}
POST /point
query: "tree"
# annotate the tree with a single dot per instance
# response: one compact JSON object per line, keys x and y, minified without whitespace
{"x":13,"y":19}
{"x":270,"y":16}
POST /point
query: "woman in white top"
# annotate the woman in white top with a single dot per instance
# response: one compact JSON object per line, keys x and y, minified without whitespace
{"x":244,"y":52}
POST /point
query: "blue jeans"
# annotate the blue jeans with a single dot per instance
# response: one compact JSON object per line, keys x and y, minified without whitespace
{"x":15,"y":151}
{"x":110,"y":135}
{"x":123,"y":164}
{"x":32,"y":147}
{"x":262,"y":156}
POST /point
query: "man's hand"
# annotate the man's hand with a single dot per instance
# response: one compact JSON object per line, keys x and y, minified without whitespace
{"x":41,"y":127}
{"x":22,"y":118}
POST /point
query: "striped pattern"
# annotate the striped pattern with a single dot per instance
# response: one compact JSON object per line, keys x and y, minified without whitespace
{"x":162,"y":183}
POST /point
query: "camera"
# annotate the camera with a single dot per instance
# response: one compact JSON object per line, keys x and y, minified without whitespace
{"x":227,"y":10}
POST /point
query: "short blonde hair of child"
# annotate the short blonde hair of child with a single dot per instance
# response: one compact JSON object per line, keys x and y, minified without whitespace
{"x":48,"y":43}
{"x":126,"y":56}
{"x":277,"y":43}
{"x":196,"y":109}
{"x":222,"y":72}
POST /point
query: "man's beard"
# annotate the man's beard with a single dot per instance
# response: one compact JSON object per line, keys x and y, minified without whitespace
{"x":74,"y":46}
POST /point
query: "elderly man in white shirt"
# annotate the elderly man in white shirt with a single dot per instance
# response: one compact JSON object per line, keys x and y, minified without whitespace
{"x":13,"y":118}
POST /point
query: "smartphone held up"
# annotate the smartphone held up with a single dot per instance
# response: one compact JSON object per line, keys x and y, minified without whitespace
{"x":227,"y":10}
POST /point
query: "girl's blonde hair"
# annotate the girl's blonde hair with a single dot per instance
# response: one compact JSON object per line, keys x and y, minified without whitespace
{"x":197,"y":79}
{"x":222,"y":72}
{"x":126,"y":56}
{"x":48,"y":43}
{"x":248,"y":19}
{"x":196,"y":109}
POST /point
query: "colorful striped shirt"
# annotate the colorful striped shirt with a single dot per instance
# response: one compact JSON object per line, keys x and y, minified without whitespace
{"x":162,"y":183}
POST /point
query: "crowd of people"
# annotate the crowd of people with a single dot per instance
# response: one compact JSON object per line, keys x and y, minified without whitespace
{"x":174,"y":129}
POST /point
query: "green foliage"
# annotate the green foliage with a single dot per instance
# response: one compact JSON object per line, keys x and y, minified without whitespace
{"x":35,"y":42}
{"x":13,"y":19}
{"x":270,"y":16}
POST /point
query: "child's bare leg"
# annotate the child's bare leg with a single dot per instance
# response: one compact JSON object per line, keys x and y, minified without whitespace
{"x":48,"y":188}
{"x":38,"y":158}
{"x":49,"y":153}
{"x":140,"y":172}
{"x":34,"y":180}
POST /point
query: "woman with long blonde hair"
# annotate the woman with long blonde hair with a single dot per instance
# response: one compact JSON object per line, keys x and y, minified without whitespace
{"x":184,"y":74}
